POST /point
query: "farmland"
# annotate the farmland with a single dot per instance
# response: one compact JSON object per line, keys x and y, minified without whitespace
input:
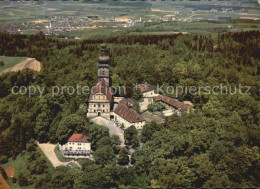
{"x":81,"y":19}
{"x":10,"y":61}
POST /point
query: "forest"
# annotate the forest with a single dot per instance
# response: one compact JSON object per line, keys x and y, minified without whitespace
{"x":216,"y":145}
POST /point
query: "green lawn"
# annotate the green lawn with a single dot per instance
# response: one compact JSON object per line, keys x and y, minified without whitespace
{"x":10,"y":61}
{"x":19,"y":165}
{"x":59,"y":154}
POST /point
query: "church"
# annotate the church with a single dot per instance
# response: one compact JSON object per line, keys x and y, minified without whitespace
{"x":101,"y":100}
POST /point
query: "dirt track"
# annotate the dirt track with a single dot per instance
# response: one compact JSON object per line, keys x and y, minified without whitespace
{"x":30,"y":63}
{"x":48,"y":150}
{"x":3,"y":183}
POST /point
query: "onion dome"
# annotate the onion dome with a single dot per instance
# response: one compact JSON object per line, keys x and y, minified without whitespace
{"x":103,"y":59}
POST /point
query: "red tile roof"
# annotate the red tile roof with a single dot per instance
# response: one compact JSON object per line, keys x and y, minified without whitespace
{"x":78,"y":138}
{"x":128,"y":113}
{"x":103,"y":88}
{"x":145,"y":87}
{"x":174,"y":102}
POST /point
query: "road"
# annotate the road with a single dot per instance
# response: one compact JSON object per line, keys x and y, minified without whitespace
{"x":113,"y":129}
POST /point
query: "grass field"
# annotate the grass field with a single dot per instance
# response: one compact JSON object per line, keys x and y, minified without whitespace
{"x":160,"y":28}
{"x":60,"y":156}
{"x":10,"y":61}
{"x":20,"y":167}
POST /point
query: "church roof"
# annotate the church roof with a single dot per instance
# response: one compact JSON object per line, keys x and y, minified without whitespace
{"x":78,"y":138}
{"x":103,"y":88}
{"x":128,"y":113}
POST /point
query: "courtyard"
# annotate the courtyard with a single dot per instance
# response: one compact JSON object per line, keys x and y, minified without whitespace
{"x":113,"y":129}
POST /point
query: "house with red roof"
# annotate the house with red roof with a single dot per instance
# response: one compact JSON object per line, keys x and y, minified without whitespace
{"x":147,"y":90}
{"x":77,"y":146}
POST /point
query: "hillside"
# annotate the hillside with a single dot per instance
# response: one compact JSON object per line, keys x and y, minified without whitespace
{"x":217,"y":145}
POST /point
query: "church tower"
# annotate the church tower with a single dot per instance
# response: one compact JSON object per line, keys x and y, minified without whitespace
{"x":103,"y":65}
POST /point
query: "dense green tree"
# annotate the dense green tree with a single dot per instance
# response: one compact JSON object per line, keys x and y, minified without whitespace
{"x":136,"y":107}
{"x":104,"y":155}
{"x":96,"y":133}
{"x":123,"y":158}
{"x":61,"y":179}
{"x":22,"y":180}
{"x":153,"y":107}
{"x":69,"y":125}
{"x":131,"y":135}
{"x":137,"y":94}
{"x":3,"y":159}
{"x":148,"y":130}
{"x":2,"y":63}
{"x":115,"y":142}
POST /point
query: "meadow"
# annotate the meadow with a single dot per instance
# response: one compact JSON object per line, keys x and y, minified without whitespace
{"x":10,"y":61}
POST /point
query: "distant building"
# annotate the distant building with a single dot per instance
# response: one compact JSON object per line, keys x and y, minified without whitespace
{"x":77,"y":146}
{"x":147,"y":90}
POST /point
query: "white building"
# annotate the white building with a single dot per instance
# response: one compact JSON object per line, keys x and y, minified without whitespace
{"x":147,"y":90}
{"x":77,"y":146}
{"x":127,"y":116}
{"x":100,"y":101}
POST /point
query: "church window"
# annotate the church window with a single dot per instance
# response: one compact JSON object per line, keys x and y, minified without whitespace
{"x":94,"y":105}
{"x":99,"y":105}
{"x":103,"y":105}
{"x":103,"y":72}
